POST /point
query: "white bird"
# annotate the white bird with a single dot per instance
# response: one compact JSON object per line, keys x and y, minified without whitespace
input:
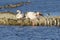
{"x":19,"y":15}
{"x":31,"y":15}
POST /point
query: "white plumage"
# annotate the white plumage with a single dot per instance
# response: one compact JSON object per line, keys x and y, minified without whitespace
{"x":19,"y":15}
{"x":31,"y":15}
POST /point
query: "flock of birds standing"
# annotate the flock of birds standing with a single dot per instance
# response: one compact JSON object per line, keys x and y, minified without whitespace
{"x":31,"y":15}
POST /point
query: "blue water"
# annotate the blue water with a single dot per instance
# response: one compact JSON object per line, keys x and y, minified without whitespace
{"x":44,"y":6}
{"x":29,"y":32}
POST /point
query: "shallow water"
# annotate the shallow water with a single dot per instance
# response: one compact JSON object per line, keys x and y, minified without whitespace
{"x":29,"y":33}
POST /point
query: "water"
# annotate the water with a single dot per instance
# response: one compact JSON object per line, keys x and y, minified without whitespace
{"x":52,"y":6}
{"x":29,"y":32}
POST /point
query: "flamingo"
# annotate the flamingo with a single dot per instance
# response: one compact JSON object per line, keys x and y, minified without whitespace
{"x":31,"y":16}
{"x":38,"y":15}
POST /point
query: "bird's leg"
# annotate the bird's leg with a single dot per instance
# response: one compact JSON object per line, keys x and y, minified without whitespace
{"x":33,"y":23}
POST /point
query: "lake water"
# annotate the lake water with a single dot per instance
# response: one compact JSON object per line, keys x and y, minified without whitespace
{"x":44,"y":6}
{"x":29,"y":32}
